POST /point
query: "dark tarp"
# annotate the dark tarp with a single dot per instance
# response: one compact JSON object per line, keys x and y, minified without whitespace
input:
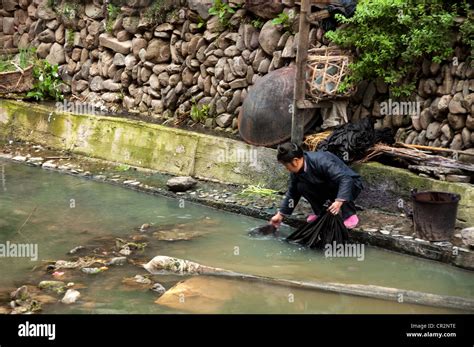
{"x":350,"y":141}
{"x":325,"y":230}
{"x":345,"y":7}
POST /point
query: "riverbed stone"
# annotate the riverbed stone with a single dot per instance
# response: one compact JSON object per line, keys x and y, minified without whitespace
{"x":224,"y":120}
{"x":114,"y":44}
{"x":269,"y":37}
{"x":158,"y":51}
{"x":56,"y":55}
{"x":455,"y":105}
{"x":181,"y":183}
{"x":54,"y":286}
{"x":71,"y":296}
{"x":467,"y":235}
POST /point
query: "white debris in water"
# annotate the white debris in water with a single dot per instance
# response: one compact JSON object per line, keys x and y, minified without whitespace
{"x":385,"y":232}
{"x":371,"y":230}
{"x":19,"y":158}
{"x":131,"y":182}
{"x":70,"y":297}
{"x":408,"y":237}
{"x":49,"y":165}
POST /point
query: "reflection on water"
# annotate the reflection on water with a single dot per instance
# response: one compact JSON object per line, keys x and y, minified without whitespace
{"x":60,"y":212}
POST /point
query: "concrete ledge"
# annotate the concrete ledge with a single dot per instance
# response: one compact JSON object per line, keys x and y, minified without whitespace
{"x":181,"y":152}
{"x":399,"y":182}
{"x":137,"y":143}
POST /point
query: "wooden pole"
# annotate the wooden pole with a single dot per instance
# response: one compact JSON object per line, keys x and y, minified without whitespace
{"x":434,"y":149}
{"x":297,"y":121}
{"x":164,"y":264}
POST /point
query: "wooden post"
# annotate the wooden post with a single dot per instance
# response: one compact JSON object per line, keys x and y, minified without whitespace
{"x":297,"y":121}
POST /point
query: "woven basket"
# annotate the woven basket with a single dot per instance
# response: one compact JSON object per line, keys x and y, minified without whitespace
{"x":325,"y":70}
{"x":16,"y":81}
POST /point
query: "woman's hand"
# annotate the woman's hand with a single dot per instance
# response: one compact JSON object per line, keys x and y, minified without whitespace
{"x":276,"y":220}
{"x":335,"y":207}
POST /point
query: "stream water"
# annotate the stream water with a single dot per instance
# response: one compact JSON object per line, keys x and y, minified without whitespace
{"x":58,"y":212}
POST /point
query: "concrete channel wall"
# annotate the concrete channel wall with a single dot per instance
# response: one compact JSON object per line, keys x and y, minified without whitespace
{"x":165,"y":149}
{"x":181,"y":152}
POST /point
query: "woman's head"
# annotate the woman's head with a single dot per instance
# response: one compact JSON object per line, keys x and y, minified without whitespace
{"x":291,"y":156}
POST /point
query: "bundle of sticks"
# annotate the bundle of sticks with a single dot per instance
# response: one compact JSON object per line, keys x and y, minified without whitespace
{"x":418,"y":160}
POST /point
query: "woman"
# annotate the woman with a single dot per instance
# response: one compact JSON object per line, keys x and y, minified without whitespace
{"x":318,"y":177}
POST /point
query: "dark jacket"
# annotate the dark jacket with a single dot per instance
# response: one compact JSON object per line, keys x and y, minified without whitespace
{"x":326,"y":177}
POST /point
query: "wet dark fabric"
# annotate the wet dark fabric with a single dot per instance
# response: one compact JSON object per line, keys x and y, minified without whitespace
{"x":326,"y":178}
{"x":325,"y":230}
{"x":263,"y":230}
{"x":346,"y":8}
{"x":351,"y":141}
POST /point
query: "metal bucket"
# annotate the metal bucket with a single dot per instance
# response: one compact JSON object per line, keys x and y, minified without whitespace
{"x":434,"y":214}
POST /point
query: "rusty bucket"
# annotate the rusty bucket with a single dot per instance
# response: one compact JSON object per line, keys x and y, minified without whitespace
{"x":434,"y":214}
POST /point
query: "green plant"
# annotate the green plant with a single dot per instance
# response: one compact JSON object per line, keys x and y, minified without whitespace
{"x":392,"y":37}
{"x":113,"y":12}
{"x":259,"y":190}
{"x":122,"y":167}
{"x":69,"y":10}
{"x":286,"y":20}
{"x":223,"y":11}
{"x":467,"y":27}
{"x":201,"y":23}
{"x":22,"y":60}
{"x":161,"y":11}
{"x":257,"y":23}
{"x":199,"y":113}
{"x":47,"y":82}
{"x":69,"y":37}
{"x":52,"y":3}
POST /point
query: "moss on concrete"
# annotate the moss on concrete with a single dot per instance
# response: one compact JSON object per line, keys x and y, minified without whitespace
{"x":400,"y":182}
{"x":142,"y":144}
{"x":181,"y":152}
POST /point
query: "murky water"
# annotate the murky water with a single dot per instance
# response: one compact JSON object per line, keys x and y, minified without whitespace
{"x":59,"y":212}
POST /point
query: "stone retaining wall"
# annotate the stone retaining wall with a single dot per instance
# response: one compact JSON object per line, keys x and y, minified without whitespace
{"x":163,"y":68}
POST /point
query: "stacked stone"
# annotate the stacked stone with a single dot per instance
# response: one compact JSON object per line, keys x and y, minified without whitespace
{"x":163,"y":70}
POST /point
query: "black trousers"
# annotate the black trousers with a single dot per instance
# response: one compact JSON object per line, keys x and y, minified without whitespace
{"x":317,"y":195}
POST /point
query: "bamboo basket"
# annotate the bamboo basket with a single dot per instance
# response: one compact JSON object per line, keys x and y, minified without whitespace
{"x":19,"y":81}
{"x":325,"y":70}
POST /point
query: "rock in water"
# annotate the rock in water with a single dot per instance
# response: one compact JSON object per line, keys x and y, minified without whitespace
{"x":157,"y":287}
{"x":55,"y":286}
{"x":468,"y":236}
{"x":70,"y":297}
{"x":199,"y":295}
{"x":117,"y":261}
{"x":181,"y":183}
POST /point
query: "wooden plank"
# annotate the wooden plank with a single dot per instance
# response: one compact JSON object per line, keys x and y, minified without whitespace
{"x":164,"y":264}
{"x":297,"y":122}
{"x":434,"y":149}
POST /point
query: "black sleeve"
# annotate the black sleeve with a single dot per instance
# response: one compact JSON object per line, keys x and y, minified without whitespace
{"x":336,"y":171}
{"x":292,"y":197}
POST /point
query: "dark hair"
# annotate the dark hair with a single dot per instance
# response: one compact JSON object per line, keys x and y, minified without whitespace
{"x":289,"y":151}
